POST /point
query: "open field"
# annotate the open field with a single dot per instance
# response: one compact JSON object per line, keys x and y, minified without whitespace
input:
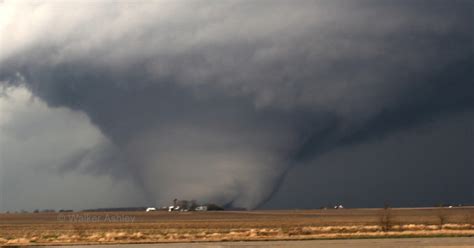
{"x":458,"y":242}
{"x":141,"y":227}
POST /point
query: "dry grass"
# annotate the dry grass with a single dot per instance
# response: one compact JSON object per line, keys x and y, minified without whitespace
{"x":45,"y":228}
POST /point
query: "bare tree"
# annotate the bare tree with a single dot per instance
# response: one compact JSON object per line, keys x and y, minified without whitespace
{"x":386,"y":218}
{"x":442,"y":217}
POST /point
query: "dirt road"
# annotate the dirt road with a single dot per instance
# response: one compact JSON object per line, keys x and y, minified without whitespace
{"x":359,"y":243}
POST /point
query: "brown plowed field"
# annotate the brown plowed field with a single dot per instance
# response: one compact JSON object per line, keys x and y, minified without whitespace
{"x":152,"y":227}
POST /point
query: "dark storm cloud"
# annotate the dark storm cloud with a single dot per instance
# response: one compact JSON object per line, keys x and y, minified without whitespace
{"x":423,"y":165}
{"x":218,"y":100}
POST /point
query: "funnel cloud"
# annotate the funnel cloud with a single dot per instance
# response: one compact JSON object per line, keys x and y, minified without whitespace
{"x":219,"y":101}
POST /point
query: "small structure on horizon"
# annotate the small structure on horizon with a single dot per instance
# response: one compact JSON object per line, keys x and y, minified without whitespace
{"x":201,"y":208}
{"x":185,"y":205}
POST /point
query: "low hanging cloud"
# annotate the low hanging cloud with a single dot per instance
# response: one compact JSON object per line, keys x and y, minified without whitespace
{"x":37,"y":143}
{"x":217,"y":100}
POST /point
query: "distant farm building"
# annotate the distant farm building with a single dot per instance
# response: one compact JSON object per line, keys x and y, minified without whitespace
{"x":201,"y":208}
{"x":185,"y":205}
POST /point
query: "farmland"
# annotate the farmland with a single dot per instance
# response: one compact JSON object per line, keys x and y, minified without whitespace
{"x":157,"y":227}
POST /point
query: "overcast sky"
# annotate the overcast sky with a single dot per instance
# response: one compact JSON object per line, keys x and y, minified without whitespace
{"x":256,"y":104}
